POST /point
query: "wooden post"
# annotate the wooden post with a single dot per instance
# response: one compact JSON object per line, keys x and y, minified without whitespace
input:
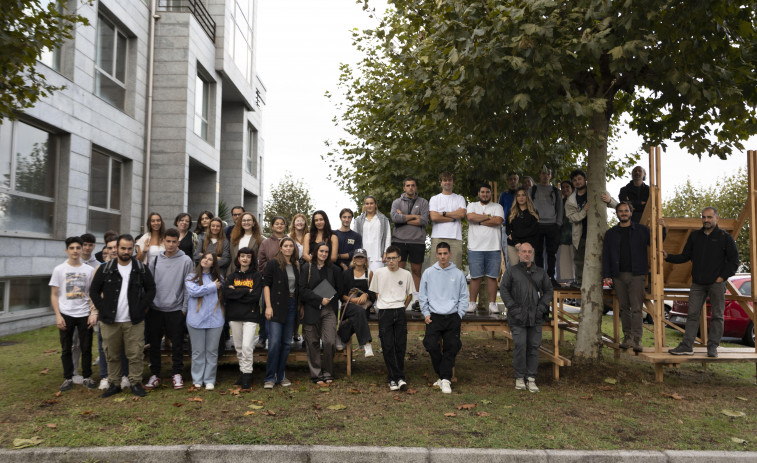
{"x":657,"y":284}
{"x":616,"y":324}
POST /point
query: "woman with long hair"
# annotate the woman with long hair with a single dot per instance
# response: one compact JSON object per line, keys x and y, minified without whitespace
{"x":205,"y":319}
{"x":245,"y":234}
{"x":215,"y":241}
{"x":298,"y":230}
{"x":187,"y":238}
{"x":270,"y":246}
{"x":151,"y":243}
{"x":241,"y":291}
{"x":356,"y":301}
{"x":522,"y":224}
{"x":281,"y":292}
{"x":319,"y":316}
{"x":204,"y":222}
{"x":320,"y":231}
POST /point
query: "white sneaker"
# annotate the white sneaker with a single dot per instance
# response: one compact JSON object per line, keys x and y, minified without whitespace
{"x":471,"y":307}
{"x":152,"y":383}
{"x":209,"y":387}
{"x":197,"y":386}
{"x":78,"y":379}
{"x":103,"y":384}
{"x":402,"y":385}
{"x":125,"y":383}
{"x":531,"y":385}
{"x":368,"y":350}
{"x":438,"y":383}
{"x":339,"y":345}
{"x":520,"y":384}
{"x":446,"y":387}
{"x":393,"y":386}
{"x":493,"y":307}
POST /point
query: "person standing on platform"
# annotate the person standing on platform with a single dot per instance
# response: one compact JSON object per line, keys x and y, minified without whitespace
{"x":447,"y":210}
{"x":485,"y":219}
{"x":714,"y":259}
{"x":376,"y":231}
{"x":348,"y":239}
{"x":444,"y":297}
{"x":636,"y":193}
{"x":548,"y":203}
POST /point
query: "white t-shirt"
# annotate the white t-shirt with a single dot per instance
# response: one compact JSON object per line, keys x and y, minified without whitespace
{"x":244,"y":241}
{"x":122,"y":312}
{"x":151,"y":252}
{"x":481,"y":237}
{"x":73,"y":288}
{"x":372,"y":239}
{"x":392,"y":287}
{"x":447,"y":203}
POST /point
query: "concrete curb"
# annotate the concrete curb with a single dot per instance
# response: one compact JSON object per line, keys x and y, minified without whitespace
{"x":328,"y":454}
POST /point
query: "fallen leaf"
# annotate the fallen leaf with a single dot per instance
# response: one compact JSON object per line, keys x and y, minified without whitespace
{"x":605,"y":388}
{"x":355,"y":391}
{"x":178,"y":404}
{"x":51,"y":425}
{"x":587,"y":397}
{"x":628,"y":394}
{"x":269,"y":413}
{"x":550,"y":437}
{"x":486,"y":402}
{"x":50,"y":351}
{"x":337,"y":407}
{"x":466,"y":406}
{"x":119,"y":399}
{"x":324,"y":389}
{"x":255,"y":407}
{"x":51,"y":401}
{"x":192,"y":389}
{"x":195,"y":399}
{"x":673,"y":396}
{"x":134,"y":399}
{"x":397,"y":398}
{"x":44,"y":371}
{"x":20,"y":443}
{"x":57,"y":394}
{"x":743,"y":398}
{"x":86,"y":412}
{"x":733,"y":414}
{"x":738,"y":440}
{"x":411,"y":391}
{"x":249,"y":413}
{"x":316,"y":407}
{"x":234,"y":391}
{"x":257,"y":402}
{"x":482,"y":414}
{"x":611,"y":380}
{"x":450,"y":414}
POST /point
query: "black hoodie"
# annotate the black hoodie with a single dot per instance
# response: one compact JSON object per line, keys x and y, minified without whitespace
{"x":243,"y":302}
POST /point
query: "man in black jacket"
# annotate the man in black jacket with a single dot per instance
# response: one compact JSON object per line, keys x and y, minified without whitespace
{"x":714,"y":258}
{"x":636,"y":193}
{"x":122,"y":290}
{"x":526,"y":291}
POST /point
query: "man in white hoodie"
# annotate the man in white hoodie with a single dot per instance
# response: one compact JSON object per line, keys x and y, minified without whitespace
{"x":444,"y":300}
{"x":166,"y":315}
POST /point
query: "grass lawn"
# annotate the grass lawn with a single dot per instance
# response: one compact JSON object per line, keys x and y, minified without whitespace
{"x":580,"y":411}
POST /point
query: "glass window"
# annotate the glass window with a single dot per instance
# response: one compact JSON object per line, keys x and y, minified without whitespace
{"x":242,"y":38}
{"x":202,"y":90}
{"x":104,"y":194}
{"x":251,"y":165}
{"x":110,"y":71}
{"x":28,"y":293}
{"x":51,"y":57}
{"x":27,"y":188}
{"x":746,"y":288}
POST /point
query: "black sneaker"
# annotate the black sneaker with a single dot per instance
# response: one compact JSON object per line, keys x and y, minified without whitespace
{"x":67,"y":385}
{"x":712,"y":351}
{"x":416,"y":306}
{"x":138,"y":390}
{"x":113,"y":389}
{"x":681,"y":350}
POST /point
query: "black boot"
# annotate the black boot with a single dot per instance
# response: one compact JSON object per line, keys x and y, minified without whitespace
{"x":246,"y":381}
{"x":239,"y":380}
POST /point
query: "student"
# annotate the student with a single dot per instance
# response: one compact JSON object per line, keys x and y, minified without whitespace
{"x":151,"y":243}
{"x":88,"y":245}
{"x":281,"y":292}
{"x":447,"y":210}
{"x":69,"y":285}
{"x":242,"y":291}
{"x":394,"y":290}
{"x":444,"y":300}
{"x":320,"y":231}
{"x":522,"y":225}
{"x":236,"y":213}
{"x":319,"y":315}
{"x":374,"y":228}
{"x":204,"y":319}
{"x":245,"y":234}
{"x":108,"y":236}
{"x":215,"y":241}
{"x":270,"y":246}
{"x":187,"y":238}
{"x":356,"y":301}
{"x":485,"y":219}
{"x":410,"y":216}
{"x":203,"y":223}
{"x":298,"y":230}
{"x":169,"y":308}
{"x":348,"y":239}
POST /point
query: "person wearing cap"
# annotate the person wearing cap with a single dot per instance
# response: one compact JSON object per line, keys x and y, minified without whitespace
{"x":356,"y":301}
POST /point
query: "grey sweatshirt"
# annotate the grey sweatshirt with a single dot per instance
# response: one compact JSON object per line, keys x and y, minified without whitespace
{"x":169,"y":274}
{"x":404,"y":233}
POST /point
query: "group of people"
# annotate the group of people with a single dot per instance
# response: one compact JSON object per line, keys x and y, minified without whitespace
{"x":216,"y":280}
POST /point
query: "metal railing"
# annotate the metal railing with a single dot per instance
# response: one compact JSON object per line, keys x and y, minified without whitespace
{"x":198,"y":10}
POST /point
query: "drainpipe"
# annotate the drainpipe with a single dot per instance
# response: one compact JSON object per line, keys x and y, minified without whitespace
{"x":148,"y":117}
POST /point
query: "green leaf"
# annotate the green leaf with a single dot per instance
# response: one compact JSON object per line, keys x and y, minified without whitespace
{"x":732,"y":413}
{"x":611,"y":380}
{"x":616,"y":52}
{"x":522,"y":100}
{"x":337,"y":407}
{"x":255,"y":407}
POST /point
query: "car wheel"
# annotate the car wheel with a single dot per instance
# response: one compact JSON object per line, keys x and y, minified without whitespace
{"x":749,"y":335}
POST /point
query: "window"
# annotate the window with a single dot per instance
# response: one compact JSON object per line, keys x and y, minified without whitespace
{"x":52,"y":58}
{"x":104,"y":194}
{"x":20,"y":294}
{"x":250,"y":161}
{"x":242,"y":38}
{"x":27,"y":178}
{"x":202,"y":92}
{"x":110,"y":68}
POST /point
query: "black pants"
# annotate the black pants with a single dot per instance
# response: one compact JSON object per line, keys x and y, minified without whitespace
{"x":446,"y":328}
{"x":547,"y":240}
{"x":393,"y":335}
{"x":354,"y":320}
{"x":172,"y":325}
{"x":85,"y":343}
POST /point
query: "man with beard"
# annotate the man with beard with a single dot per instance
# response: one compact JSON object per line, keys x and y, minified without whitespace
{"x":636,"y":193}
{"x":485,"y":220}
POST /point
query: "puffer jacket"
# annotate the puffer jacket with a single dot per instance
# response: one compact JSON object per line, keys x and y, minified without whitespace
{"x":527,"y":294}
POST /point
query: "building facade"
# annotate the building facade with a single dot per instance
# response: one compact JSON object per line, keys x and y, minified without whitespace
{"x":161,"y":111}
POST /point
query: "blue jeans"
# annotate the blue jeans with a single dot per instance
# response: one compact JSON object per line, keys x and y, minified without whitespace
{"x":279,"y":344}
{"x":204,"y":353}
{"x":484,"y":263}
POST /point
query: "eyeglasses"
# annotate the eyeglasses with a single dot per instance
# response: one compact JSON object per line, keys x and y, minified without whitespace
{"x":247,"y":221}
{"x":235,"y":215}
{"x":393,"y":258}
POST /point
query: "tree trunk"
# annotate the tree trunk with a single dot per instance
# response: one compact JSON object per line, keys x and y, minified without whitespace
{"x":589,"y":338}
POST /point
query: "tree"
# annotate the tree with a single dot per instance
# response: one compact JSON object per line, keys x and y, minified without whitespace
{"x":29,"y":27}
{"x":728,"y":195}
{"x":289,"y":197}
{"x":455,"y":84}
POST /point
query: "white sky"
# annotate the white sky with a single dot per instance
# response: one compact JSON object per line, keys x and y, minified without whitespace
{"x":301,"y":44}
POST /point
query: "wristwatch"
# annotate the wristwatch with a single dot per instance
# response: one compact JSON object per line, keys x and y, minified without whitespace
{"x":444,"y":214}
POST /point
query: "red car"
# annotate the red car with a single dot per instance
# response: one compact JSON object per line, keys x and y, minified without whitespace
{"x":736,"y":322}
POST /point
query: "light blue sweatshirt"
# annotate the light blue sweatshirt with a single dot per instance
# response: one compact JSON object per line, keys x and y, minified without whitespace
{"x":443,"y":291}
{"x":210,"y":312}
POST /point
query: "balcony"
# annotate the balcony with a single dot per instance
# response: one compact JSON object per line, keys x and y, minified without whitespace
{"x":197,"y":9}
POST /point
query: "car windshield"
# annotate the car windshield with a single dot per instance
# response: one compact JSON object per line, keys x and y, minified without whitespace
{"x":746,"y":288}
